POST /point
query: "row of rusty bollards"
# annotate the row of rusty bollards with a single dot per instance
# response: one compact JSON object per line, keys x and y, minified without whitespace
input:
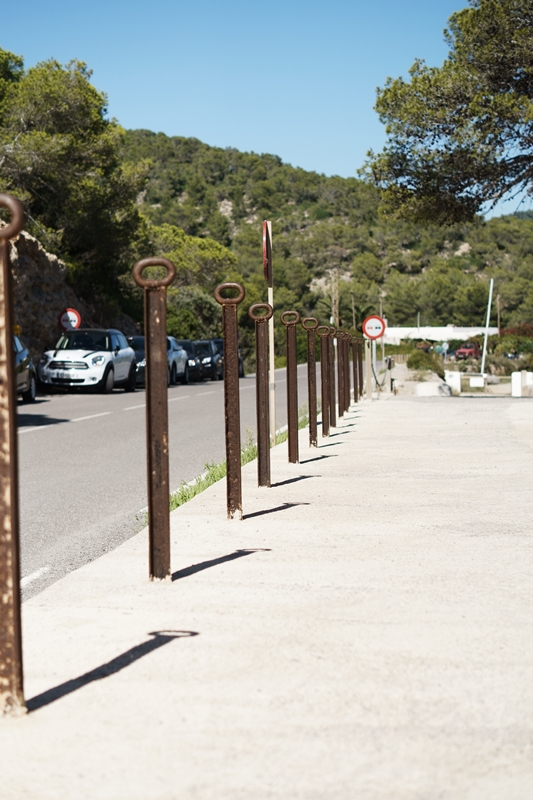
{"x":11,"y":673}
{"x":334,"y":393}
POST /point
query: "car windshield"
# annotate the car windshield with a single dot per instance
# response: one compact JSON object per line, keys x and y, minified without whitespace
{"x":219,"y":343}
{"x":136,"y":343}
{"x":203,"y":349}
{"x":187,"y":346}
{"x":468,"y":346}
{"x":84,"y":340}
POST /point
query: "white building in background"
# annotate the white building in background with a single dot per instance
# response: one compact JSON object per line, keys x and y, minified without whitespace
{"x":435,"y":334}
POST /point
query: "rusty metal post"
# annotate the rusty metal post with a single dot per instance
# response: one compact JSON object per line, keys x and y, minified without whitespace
{"x":232,"y":409}
{"x":11,"y":675}
{"x":348,"y":381}
{"x":311,"y":376}
{"x":360,"y":365}
{"x":323,"y":332}
{"x":261,"y":390}
{"x":340,"y":373}
{"x":155,"y":336}
{"x":355,"y":367}
{"x":332,"y":385}
{"x":290,"y":319}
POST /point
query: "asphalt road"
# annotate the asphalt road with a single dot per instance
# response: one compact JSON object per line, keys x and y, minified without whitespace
{"x":83,"y":466}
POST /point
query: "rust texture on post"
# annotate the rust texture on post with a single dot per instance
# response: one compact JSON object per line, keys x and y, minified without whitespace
{"x":261,"y":390}
{"x":310,"y":324}
{"x":332,"y":383}
{"x":155,"y":337}
{"x":340,"y":373}
{"x":355,"y":368}
{"x":290,"y":319}
{"x":11,"y":676}
{"x":232,"y":411}
{"x":323,"y":333}
{"x":360,"y":365}
{"x":347,"y":381}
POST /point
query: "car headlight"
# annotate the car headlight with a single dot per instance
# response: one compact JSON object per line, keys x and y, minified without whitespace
{"x":141,"y":363}
{"x":43,"y":360}
{"x":98,"y":360}
{"x":191,"y":362}
{"x":206,"y":360}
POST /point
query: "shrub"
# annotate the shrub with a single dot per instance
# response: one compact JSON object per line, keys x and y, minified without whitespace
{"x":425,"y":361}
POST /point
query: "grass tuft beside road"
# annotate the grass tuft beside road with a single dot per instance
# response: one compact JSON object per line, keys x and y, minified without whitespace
{"x":215,"y":472}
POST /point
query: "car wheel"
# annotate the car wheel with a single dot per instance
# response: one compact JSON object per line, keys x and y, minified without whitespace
{"x":186,"y":378}
{"x":108,"y":381}
{"x":214,"y":372}
{"x":31,"y":392}
{"x":241,"y":369}
{"x":173,"y":375}
{"x":220,"y":374}
{"x":131,"y":383}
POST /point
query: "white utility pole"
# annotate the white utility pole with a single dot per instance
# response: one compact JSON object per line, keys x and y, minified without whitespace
{"x":489,"y":304}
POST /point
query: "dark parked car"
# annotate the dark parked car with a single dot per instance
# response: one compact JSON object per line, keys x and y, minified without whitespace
{"x":137,"y":345}
{"x":211,"y":358}
{"x":194,"y":370}
{"x":26,"y":379}
{"x":219,"y":343}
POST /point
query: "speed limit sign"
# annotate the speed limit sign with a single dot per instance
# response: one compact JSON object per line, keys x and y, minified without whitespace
{"x":373,"y":327}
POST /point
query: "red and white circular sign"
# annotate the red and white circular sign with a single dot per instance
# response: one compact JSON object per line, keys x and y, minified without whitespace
{"x":69,"y":319}
{"x":374,"y":327}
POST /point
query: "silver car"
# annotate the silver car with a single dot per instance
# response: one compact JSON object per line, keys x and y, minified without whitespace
{"x":177,"y":362}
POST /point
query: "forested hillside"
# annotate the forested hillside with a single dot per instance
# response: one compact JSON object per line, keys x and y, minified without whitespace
{"x":322,"y":224}
{"x":100,"y":197}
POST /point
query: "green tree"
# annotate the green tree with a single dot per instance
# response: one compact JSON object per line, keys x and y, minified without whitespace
{"x":461,"y":135}
{"x":62,"y":157}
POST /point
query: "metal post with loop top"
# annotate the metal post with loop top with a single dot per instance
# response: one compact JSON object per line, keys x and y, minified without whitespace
{"x":310,"y":324}
{"x":155,"y":335}
{"x":232,"y":410}
{"x":332,"y":387}
{"x":346,"y":339}
{"x":323,"y":332}
{"x":11,"y":676}
{"x":291,"y":319}
{"x":261,"y":390}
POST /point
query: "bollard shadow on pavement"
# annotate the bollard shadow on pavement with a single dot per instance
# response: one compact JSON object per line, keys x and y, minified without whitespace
{"x":110,"y":668}
{"x":293,"y":480}
{"x":318,"y":458}
{"x":183,"y":573}
{"x":37,"y":420}
{"x":283,"y":507}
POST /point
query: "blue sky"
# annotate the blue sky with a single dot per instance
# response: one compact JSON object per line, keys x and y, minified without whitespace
{"x":291,"y":78}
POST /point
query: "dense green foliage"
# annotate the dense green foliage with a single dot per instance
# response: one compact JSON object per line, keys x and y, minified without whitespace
{"x":461,"y":135}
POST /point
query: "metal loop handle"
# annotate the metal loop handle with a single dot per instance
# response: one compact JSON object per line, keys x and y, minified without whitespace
{"x":229,"y":300}
{"x":323,"y":330}
{"x":155,"y":283}
{"x":284,"y":318}
{"x":14,"y":227}
{"x":332,"y":330}
{"x":260,"y":317}
{"x":312,"y":327}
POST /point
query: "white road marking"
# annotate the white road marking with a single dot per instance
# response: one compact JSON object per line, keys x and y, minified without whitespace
{"x":91,"y":416}
{"x":131,"y":408}
{"x":173,"y":399}
{"x":34,"y":576}
{"x":36,"y":428}
{"x":201,"y":394}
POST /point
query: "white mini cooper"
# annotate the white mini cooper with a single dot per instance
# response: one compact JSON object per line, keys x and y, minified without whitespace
{"x":90,"y":357}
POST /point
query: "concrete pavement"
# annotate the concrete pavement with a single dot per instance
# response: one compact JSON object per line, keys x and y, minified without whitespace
{"x":365,"y":632}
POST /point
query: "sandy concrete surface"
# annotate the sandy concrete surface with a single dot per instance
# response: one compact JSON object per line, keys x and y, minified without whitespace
{"x":366,"y":633}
